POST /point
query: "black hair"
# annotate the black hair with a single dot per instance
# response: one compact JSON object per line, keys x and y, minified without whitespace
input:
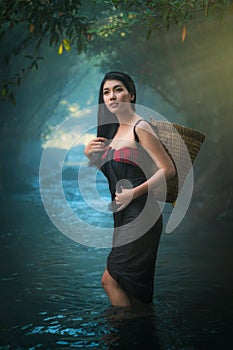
{"x":107,"y":121}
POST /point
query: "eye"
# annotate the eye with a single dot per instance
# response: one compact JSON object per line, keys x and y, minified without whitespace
{"x":105,"y":92}
{"x":119,"y":89}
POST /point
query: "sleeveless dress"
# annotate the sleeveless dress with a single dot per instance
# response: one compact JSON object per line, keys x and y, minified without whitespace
{"x":137,"y":228}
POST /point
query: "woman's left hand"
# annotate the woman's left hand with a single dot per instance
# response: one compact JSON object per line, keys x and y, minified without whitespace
{"x":123,"y":198}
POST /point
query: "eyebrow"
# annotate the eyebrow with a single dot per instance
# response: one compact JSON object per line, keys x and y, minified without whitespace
{"x":114,"y":87}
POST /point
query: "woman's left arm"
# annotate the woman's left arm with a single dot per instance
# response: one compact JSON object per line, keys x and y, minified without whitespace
{"x":165,"y":166}
{"x":156,"y":150}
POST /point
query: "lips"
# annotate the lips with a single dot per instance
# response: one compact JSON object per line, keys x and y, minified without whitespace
{"x":113,"y":104}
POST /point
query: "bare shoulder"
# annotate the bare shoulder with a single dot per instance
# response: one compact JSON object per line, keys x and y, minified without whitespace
{"x":143,"y":128}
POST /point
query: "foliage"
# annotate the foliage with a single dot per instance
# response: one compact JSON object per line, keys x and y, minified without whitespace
{"x":67,"y":24}
{"x":58,"y":22}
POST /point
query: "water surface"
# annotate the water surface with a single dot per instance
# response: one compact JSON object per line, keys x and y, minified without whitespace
{"x":51,"y":295}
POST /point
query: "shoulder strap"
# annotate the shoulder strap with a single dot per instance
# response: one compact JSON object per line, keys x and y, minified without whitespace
{"x":134,"y":130}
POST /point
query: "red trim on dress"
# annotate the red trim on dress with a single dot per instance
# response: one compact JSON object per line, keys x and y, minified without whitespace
{"x":124,"y":155}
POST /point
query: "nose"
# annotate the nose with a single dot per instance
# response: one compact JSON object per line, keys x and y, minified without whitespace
{"x":112,"y":95}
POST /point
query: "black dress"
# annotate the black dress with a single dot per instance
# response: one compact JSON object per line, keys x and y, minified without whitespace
{"x":137,"y":228}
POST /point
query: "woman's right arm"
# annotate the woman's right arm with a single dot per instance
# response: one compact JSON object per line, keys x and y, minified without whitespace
{"x":95,"y":145}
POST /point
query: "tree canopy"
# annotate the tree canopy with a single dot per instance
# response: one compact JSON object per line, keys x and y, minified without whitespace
{"x":86,"y":26}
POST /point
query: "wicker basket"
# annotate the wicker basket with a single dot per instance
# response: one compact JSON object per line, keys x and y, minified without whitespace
{"x":183,"y":145}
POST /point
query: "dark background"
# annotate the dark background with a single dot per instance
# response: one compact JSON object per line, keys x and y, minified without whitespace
{"x":43,"y":273}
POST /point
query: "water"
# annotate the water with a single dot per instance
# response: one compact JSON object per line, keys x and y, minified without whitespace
{"x":51,"y":295}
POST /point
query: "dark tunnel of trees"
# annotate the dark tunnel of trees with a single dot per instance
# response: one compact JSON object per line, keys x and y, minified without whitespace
{"x":180,"y":50}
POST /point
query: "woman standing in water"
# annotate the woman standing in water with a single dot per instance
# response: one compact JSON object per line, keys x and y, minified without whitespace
{"x":124,"y":149}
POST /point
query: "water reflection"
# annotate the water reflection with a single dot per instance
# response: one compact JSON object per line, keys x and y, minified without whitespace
{"x":131,"y":328}
{"x":113,"y":328}
{"x":52,"y":297}
{"x":154,"y":326}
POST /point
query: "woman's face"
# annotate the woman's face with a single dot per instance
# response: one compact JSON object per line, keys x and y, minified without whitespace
{"x":116,"y":95}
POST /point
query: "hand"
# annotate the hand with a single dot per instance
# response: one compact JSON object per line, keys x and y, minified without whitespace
{"x":123,"y":198}
{"x":95,"y":145}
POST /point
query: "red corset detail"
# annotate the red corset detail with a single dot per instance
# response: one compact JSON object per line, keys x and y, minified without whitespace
{"x":125,"y":155}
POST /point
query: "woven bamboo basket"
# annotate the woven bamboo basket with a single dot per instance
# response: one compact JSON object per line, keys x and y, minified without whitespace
{"x":182,"y":144}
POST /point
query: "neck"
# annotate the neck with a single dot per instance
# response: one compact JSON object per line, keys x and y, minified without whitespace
{"x":126,"y":117}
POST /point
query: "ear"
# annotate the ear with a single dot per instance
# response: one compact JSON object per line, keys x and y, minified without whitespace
{"x":132,"y":97}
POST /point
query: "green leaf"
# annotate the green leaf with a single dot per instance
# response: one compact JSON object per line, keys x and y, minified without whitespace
{"x":28,"y":56}
{"x":148,"y":34}
{"x":4,"y":90}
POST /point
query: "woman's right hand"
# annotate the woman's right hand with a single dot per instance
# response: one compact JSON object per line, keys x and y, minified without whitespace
{"x":95,"y":145}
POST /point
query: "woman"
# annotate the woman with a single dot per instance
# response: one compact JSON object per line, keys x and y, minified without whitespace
{"x":124,"y":149}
